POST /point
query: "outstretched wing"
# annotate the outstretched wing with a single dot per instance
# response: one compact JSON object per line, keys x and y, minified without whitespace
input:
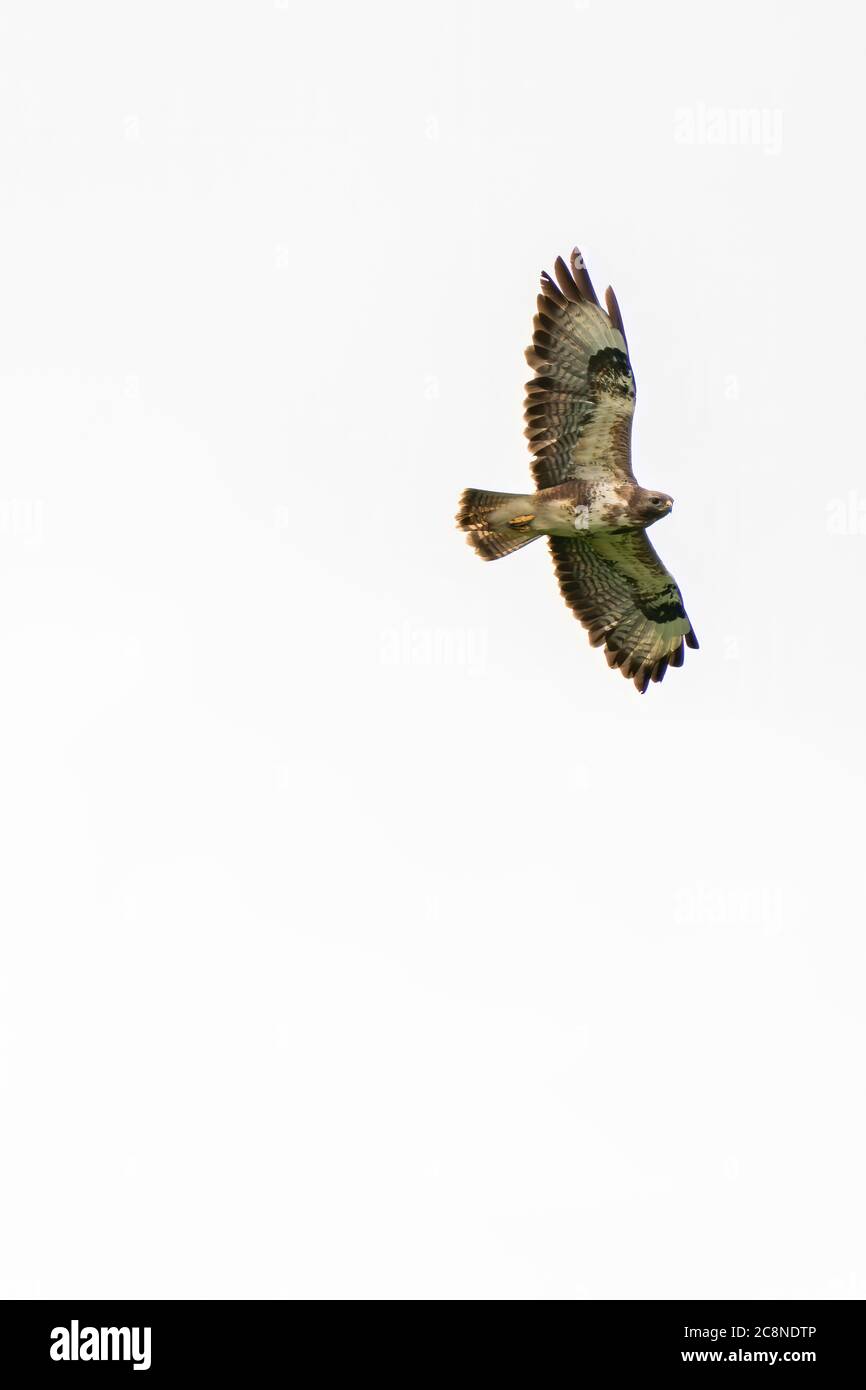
{"x":580,"y":403}
{"x":620,"y":590}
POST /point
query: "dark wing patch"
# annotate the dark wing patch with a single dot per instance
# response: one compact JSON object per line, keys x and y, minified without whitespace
{"x":609,"y":374}
{"x":580,"y":403}
{"x":619,"y":589}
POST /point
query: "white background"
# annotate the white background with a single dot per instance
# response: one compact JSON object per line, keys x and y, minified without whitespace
{"x":362,"y":933}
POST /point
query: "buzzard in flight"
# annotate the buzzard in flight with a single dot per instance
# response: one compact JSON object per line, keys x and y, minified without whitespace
{"x":579,"y":408}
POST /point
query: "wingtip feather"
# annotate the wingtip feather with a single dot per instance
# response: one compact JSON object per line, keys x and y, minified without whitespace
{"x":566,"y":284}
{"x":581,"y":277}
{"x":614,"y":312}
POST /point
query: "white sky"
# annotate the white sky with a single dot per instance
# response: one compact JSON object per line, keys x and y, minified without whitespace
{"x":362,"y":934}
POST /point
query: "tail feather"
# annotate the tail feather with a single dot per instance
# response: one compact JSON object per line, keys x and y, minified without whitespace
{"x":491,"y":540}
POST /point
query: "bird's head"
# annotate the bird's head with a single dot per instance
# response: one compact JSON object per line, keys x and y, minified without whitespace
{"x":649,"y":505}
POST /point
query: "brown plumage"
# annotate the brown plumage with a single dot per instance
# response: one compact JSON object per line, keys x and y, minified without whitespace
{"x":578,"y":411}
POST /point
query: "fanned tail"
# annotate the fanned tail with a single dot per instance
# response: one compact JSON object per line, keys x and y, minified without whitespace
{"x":496,"y":523}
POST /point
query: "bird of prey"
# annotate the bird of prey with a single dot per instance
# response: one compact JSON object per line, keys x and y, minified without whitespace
{"x":579,"y":408}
